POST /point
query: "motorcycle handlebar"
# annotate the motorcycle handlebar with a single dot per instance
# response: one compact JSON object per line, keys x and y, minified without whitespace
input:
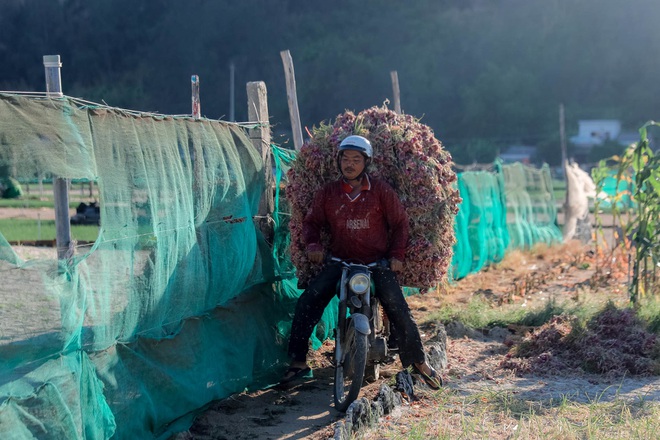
{"x":383,"y":263}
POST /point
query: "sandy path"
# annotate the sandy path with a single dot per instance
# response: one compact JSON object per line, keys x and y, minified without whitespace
{"x":31,"y":213}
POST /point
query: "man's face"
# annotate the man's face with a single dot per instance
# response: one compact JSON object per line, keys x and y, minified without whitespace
{"x":352,"y":164}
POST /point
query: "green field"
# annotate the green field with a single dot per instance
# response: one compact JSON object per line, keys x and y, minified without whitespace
{"x":559,"y":190}
{"x":31,"y":230}
{"x":35,"y":197}
{"x":31,"y":203}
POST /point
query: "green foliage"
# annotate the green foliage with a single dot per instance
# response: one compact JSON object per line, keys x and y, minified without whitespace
{"x":471,"y":69}
{"x":607,"y":149}
{"x":473,"y":151}
{"x":549,"y":151}
{"x":643,"y":226}
{"x":10,"y":188}
{"x":649,"y":312}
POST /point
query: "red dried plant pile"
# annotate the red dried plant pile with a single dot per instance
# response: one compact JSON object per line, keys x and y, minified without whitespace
{"x":406,"y":155}
{"x":614,"y":342}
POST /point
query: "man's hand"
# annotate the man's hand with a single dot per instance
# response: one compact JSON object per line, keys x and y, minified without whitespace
{"x":396,"y":265}
{"x":315,"y":256}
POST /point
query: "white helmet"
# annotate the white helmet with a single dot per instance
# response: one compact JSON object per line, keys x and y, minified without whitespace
{"x":356,"y":143}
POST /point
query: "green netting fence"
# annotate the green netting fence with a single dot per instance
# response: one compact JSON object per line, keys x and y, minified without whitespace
{"x":179,"y":301}
{"x":173,"y":305}
{"x":531,"y":210}
{"x":511,"y":206}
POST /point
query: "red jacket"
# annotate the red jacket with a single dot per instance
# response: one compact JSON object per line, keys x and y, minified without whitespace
{"x":372,"y":226}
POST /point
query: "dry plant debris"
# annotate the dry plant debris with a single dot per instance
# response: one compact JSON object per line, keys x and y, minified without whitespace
{"x":614,"y":343}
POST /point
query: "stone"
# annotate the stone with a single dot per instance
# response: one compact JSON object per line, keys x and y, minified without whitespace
{"x":457,"y":330}
{"x":405,"y":385}
{"x":499,"y":333}
{"x":359,"y":414}
{"x":436,"y":356}
{"x":387,"y":398}
{"x":342,"y":431}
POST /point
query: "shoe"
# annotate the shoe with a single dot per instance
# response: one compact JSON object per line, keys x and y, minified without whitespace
{"x":294,"y":373}
{"x":433,"y":380}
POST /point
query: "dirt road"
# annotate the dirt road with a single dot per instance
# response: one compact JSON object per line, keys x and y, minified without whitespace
{"x":305,"y":411}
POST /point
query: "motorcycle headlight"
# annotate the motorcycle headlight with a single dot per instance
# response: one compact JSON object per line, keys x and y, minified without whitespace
{"x":359,"y":283}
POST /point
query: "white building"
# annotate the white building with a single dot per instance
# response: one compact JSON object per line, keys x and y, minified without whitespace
{"x":594,"y":132}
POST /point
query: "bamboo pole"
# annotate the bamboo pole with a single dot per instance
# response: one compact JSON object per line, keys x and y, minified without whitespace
{"x":395,"y":91}
{"x":292,"y":98}
{"x":52,"y":66}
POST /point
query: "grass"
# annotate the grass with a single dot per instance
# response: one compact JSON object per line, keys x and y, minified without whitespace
{"x":649,"y":313}
{"x":559,"y":190}
{"x":504,"y":415}
{"x":29,"y":230}
{"x":28,"y":202}
{"x":480,"y":313}
{"x":36,"y":202}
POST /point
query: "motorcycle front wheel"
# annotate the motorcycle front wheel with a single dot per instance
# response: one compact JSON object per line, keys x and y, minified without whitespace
{"x":349,"y":373}
{"x":372,"y":370}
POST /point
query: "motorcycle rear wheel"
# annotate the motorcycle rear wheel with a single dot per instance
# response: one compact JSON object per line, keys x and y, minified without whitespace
{"x":349,"y":373}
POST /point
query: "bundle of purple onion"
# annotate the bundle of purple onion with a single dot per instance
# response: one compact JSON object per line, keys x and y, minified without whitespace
{"x":406,"y":155}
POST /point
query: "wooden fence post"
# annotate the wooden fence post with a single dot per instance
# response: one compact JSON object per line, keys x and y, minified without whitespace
{"x":52,"y":66}
{"x":232,"y":98}
{"x":292,"y":98}
{"x":196,"y":105}
{"x":562,"y":136}
{"x":260,"y":136}
{"x":395,"y":91}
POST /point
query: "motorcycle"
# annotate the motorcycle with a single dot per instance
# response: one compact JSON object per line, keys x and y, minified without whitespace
{"x":361,"y":334}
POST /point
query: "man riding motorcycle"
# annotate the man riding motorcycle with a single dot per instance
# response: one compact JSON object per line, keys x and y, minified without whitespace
{"x":366,"y":223}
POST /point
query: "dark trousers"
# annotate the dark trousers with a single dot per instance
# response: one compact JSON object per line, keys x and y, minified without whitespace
{"x":319,"y":293}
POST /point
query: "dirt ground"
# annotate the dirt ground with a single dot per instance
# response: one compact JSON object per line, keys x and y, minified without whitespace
{"x":305,"y":411}
{"x":31,"y":213}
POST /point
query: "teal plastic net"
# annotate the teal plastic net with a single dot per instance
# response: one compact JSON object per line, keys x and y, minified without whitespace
{"x":512,"y":206}
{"x":171,"y":308}
{"x":531,"y":209}
{"x":616,"y":192}
{"x":287,"y":283}
{"x":481,"y":233}
{"x":179,"y":301}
